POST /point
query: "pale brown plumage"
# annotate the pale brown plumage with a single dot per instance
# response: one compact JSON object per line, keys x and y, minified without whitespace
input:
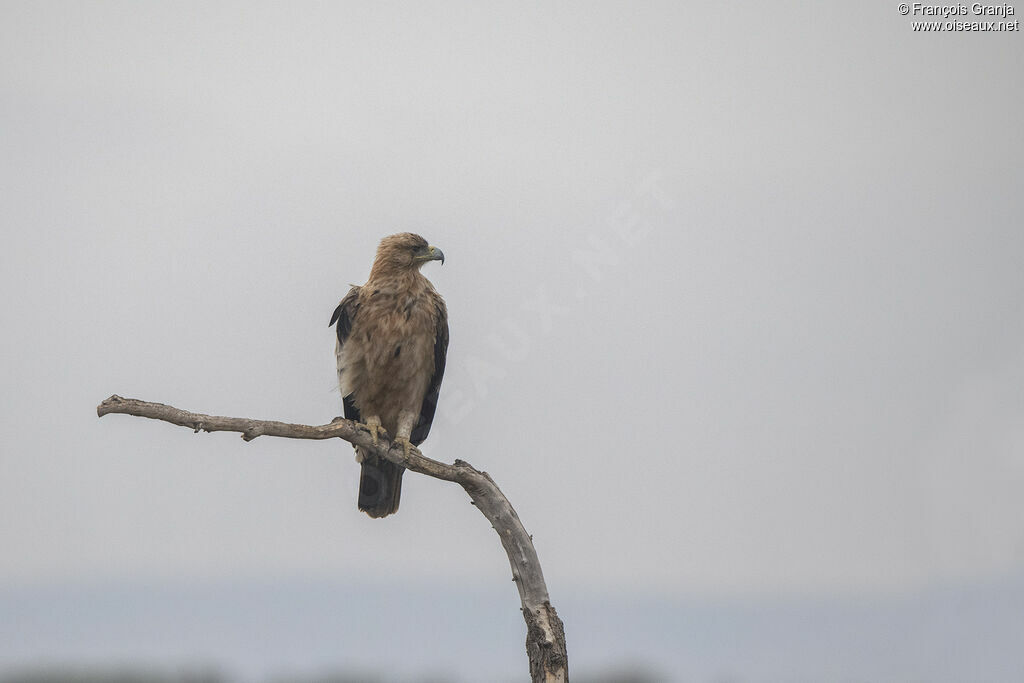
{"x":392,"y":343}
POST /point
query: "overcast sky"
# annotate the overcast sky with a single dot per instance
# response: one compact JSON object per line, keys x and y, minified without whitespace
{"x":735,"y":290}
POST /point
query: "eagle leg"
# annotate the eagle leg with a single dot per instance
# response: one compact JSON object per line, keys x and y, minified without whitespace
{"x":406,"y":419}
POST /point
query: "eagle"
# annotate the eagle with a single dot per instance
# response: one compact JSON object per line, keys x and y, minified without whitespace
{"x":391,"y":351}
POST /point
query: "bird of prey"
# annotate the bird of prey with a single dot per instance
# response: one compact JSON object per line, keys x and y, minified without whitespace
{"x":392,"y":344}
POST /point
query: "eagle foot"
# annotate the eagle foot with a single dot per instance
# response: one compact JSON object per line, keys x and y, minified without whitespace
{"x":376,"y":431}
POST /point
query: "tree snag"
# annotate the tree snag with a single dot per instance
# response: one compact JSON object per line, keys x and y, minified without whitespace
{"x":545,"y":637}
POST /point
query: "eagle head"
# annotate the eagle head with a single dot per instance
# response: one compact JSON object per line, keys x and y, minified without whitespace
{"x":405,"y":251}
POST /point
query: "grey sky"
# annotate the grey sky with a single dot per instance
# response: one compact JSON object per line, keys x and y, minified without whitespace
{"x":735,"y":290}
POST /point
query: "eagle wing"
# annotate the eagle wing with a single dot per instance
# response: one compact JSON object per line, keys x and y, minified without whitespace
{"x":344,"y":316}
{"x":426,"y":419}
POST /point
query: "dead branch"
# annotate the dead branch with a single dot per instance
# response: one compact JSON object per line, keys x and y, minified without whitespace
{"x":545,"y":637}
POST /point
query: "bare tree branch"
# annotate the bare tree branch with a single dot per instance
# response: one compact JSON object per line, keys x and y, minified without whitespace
{"x":545,"y":637}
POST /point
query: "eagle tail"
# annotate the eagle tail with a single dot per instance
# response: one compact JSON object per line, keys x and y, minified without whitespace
{"x":380,"y":485}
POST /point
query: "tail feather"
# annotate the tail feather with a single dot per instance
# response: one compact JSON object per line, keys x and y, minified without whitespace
{"x":380,"y":485}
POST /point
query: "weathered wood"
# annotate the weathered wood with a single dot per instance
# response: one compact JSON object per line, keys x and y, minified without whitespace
{"x":545,"y":636}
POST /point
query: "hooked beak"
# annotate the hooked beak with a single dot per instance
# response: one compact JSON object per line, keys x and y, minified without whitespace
{"x":434,"y":254}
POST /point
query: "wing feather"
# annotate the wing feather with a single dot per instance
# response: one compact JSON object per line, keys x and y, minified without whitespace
{"x":345,"y":313}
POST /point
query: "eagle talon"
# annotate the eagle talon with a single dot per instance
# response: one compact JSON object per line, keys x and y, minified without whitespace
{"x":376,"y":431}
{"x":405,"y":444}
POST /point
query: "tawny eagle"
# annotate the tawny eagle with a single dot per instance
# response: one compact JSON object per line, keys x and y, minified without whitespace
{"x":392,"y":344}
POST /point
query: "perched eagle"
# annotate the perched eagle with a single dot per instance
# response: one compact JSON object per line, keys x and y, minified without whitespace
{"x":392,"y":343}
